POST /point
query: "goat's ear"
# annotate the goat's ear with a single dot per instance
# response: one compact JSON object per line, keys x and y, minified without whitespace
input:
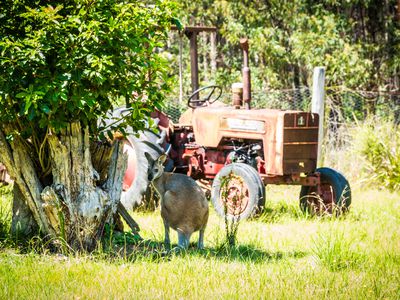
{"x":148,"y":156}
{"x":162,"y":158}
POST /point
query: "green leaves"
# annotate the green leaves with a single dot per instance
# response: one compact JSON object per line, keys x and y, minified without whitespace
{"x":75,"y":60}
{"x":358,"y":41}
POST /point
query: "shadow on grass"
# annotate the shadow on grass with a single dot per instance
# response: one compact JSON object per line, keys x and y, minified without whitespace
{"x":275,"y":212}
{"x":244,"y":253}
{"x":155,"y":252}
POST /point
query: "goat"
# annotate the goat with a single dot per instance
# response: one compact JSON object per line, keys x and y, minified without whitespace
{"x":184,"y":206}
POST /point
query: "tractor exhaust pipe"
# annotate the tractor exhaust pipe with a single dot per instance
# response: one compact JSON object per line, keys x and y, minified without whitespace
{"x":244,"y":44}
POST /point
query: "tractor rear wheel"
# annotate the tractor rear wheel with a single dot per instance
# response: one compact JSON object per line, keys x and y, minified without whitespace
{"x":136,"y":179}
{"x":331,"y":196}
{"x":237,"y":191}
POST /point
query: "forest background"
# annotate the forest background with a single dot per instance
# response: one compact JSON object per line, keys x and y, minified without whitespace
{"x":356,"y":40}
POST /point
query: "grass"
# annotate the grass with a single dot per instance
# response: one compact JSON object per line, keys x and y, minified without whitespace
{"x":5,"y":211}
{"x":282,"y":255}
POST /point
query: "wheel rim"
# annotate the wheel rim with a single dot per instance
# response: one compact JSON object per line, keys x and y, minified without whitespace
{"x":130,"y":173}
{"x":321,"y":199}
{"x":234,"y":196}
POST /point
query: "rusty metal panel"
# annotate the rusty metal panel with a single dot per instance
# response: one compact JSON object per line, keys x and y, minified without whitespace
{"x":300,"y":151}
{"x":292,"y":135}
{"x":290,"y":138}
{"x":300,"y":147}
{"x":291,"y":166}
{"x":296,"y":119}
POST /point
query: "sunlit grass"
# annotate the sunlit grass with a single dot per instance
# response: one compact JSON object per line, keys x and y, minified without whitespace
{"x":5,"y":211}
{"x":283,"y":255}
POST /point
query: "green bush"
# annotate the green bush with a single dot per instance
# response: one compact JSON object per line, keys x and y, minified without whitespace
{"x":378,"y":143}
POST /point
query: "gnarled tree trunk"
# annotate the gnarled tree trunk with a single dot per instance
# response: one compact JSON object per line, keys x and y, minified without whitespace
{"x":83,"y":195}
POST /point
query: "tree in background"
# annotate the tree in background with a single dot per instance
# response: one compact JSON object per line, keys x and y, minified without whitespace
{"x":358,"y":41}
{"x":63,"y":66}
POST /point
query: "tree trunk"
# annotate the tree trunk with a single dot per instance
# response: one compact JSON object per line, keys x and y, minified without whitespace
{"x":205,"y":56}
{"x":213,"y":52}
{"x":81,"y":199}
{"x":23,"y":223}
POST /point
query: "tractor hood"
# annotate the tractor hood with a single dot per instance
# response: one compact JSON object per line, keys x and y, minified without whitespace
{"x":212,"y":124}
{"x":289,"y":137}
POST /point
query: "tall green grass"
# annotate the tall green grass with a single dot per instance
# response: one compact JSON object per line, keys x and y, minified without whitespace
{"x":334,"y":251}
{"x":367,"y":152}
{"x":378,"y":143}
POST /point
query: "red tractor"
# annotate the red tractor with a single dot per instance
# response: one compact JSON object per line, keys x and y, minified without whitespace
{"x":246,"y":148}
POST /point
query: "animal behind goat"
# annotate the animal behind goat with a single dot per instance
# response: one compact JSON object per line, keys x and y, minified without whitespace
{"x":184,"y":206}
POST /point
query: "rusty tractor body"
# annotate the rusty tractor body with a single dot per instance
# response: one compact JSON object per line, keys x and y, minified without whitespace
{"x":274,"y":146}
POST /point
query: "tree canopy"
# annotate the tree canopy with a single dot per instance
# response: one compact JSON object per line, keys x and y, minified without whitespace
{"x":357,"y":40}
{"x":74,"y":60}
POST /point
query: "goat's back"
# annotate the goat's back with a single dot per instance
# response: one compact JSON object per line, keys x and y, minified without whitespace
{"x":184,"y":205}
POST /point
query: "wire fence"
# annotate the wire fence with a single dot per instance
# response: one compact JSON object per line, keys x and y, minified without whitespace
{"x":342,"y":106}
{"x":297,"y":99}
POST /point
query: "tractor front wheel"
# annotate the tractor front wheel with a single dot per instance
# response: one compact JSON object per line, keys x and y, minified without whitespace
{"x":237,"y":191}
{"x":331,"y":196}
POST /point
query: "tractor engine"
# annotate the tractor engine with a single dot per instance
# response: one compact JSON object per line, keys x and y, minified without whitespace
{"x":202,"y":162}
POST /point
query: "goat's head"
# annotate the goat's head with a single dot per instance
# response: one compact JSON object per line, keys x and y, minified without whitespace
{"x":156,"y":166}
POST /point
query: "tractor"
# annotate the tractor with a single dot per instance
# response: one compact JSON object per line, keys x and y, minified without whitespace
{"x":243,"y":148}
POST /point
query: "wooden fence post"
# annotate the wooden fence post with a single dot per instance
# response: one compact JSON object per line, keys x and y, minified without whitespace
{"x":318,"y":93}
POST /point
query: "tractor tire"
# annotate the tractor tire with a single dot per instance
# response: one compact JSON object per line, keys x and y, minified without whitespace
{"x":133,"y":194}
{"x":334,"y":196}
{"x":244,"y":192}
{"x":136,"y":145}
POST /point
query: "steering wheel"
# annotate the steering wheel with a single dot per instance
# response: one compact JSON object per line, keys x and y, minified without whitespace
{"x":207,"y":100}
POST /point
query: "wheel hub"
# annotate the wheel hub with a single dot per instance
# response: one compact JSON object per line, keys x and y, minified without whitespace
{"x":234,"y":195}
{"x":321,"y":199}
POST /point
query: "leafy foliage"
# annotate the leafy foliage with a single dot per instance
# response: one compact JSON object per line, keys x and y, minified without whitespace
{"x":379,"y":145}
{"x":74,"y":60}
{"x":358,"y":41}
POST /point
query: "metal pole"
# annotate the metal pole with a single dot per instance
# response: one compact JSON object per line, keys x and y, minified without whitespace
{"x":244,"y":43}
{"x":318,"y":93}
{"x":180,"y":69}
{"x":194,"y":61}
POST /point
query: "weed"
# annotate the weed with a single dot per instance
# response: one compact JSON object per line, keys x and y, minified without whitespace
{"x":232,"y":199}
{"x":334,"y":251}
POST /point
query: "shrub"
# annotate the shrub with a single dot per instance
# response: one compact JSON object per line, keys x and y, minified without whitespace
{"x":368,"y":152}
{"x":378,"y":143}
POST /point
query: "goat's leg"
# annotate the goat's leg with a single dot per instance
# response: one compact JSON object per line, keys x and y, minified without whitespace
{"x":200,"y":244}
{"x":183,"y":239}
{"x":167,"y":241}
